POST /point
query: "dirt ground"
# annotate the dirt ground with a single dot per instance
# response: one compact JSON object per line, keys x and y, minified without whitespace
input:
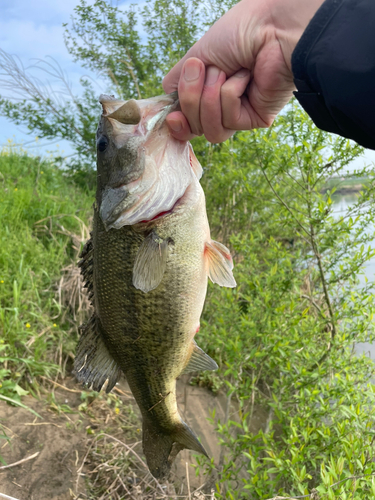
{"x":56,"y":442}
{"x":47,"y":457}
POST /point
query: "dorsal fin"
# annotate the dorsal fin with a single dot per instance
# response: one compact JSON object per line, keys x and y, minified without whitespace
{"x":86,"y":265}
{"x":94,"y":365}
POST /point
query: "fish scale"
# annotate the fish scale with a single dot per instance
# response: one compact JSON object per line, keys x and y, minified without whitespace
{"x":146,"y":266}
{"x":129,"y":312}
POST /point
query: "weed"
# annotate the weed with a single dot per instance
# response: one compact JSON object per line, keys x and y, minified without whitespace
{"x":35,"y":243}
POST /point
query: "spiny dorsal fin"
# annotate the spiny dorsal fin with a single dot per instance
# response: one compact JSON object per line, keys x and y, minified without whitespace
{"x":199,"y":361}
{"x":94,"y":365}
{"x":86,"y":265}
{"x":150,"y":263}
{"x":220,"y":264}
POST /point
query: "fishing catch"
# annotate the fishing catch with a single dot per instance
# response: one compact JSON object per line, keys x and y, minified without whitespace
{"x":146,"y":268}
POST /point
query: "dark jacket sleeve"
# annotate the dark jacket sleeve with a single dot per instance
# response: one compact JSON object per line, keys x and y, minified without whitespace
{"x":334,"y":69}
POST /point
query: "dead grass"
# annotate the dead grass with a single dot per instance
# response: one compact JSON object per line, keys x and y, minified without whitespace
{"x":72,"y":299}
{"x":117,"y":472}
{"x":113,"y":465}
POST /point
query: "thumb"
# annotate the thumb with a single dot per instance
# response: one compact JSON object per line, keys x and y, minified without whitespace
{"x":170,"y":81}
{"x":217,"y":47}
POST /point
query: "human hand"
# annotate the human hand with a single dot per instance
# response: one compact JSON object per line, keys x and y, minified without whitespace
{"x":238,"y":75}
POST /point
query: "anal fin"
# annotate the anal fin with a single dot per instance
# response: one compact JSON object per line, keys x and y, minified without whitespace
{"x":150,"y":263}
{"x":199,"y":360}
{"x":94,"y":365}
{"x":220,"y":264}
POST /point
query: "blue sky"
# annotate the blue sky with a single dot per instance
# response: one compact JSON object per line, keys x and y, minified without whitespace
{"x":33,"y":29}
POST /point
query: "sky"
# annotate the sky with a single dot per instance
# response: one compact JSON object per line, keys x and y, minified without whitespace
{"x":32,"y":29}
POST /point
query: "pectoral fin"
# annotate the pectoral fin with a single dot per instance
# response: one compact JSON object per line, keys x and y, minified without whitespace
{"x":220,"y":264}
{"x":199,"y":361}
{"x":94,"y":365}
{"x":150,"y":263}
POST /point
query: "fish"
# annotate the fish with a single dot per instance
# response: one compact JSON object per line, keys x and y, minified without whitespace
{"x":146,"y":267}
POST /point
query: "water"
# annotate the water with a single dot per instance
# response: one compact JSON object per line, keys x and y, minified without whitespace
{"x":341,"y":204}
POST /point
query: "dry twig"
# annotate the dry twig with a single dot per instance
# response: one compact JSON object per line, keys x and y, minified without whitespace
{"x":20,"y":461}
{"x":59,"y":385}
{"x":2,"y":495}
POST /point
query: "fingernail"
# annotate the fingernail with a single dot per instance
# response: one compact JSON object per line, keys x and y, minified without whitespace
{"x":175,"y":125}
{"x":192,"y":71}
{"x":212,"y":74}
{"x":242,"y":73}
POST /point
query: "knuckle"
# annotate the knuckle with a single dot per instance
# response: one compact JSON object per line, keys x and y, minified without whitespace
{"x":226,"y":93}
{"x":215,"y":137}
{"x":230,"y":121}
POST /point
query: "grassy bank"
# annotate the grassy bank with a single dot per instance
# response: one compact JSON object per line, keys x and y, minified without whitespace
{"x":43,"y":217}
{"x":283,"y":338}
{"x":346,"y":185}
{"x":44,"y":220}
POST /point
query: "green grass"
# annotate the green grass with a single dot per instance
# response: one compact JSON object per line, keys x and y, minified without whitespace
{"x":40,"y":212}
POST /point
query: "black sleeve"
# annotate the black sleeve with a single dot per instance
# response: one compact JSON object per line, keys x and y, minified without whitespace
{"x":334,"y":69}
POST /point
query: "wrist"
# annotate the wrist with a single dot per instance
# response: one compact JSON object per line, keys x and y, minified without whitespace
{"x":290,"y":18}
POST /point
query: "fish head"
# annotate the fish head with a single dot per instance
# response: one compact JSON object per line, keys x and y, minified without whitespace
{"x":119,"y":158}
{"x":141,"y":169}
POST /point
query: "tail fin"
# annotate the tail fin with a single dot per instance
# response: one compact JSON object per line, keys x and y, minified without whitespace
{"x":161,"y":446}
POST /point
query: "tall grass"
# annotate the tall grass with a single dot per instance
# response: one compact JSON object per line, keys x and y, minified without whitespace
{"x":40,"y":212}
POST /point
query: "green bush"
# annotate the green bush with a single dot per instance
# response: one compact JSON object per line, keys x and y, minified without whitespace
{"x":284,"y":338}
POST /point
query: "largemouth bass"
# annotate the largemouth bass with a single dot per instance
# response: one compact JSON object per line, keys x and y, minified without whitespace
{"x":146,"y":267}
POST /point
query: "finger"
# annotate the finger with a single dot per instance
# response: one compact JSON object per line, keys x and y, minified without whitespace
{"x":172,"y":78}
{"x":211,"y":50}
{"x":189,"y":92}
{"x":179,"y":126}
{"x":236,"y":109}
{"x":210,"y":112}
{"x":271,"y":87}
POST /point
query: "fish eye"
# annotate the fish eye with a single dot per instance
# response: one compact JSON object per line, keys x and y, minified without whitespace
{"x":102,"y":143}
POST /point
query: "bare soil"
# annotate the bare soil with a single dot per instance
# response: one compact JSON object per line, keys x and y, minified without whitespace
{"x":60,"y":442}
